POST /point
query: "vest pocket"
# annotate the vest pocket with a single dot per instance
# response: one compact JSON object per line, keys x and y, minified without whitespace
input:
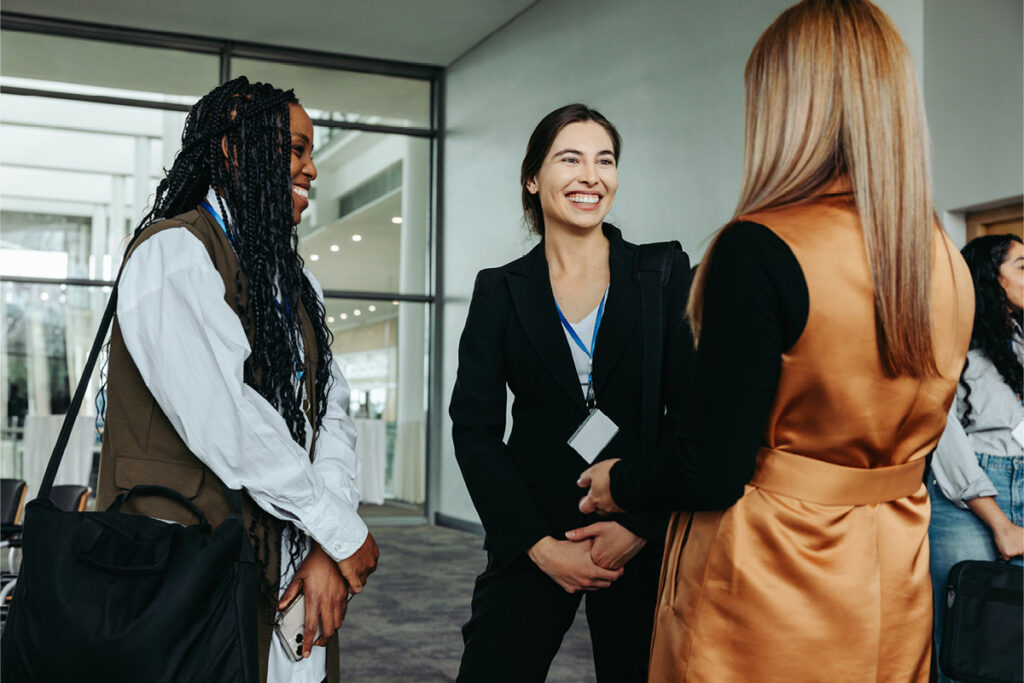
{"x":131,"y":471}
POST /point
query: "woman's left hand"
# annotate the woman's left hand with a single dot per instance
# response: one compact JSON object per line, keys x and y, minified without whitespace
{"x":614,"y":544}
{"x":326,"y":594}
{"x":599,"y":498}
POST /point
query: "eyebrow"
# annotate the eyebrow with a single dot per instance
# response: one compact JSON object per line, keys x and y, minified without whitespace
{"x":303,"y":136}
{"x":576,"y":151}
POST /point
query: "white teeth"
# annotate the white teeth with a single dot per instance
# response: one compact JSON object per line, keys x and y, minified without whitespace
{"x":584,"y":198}
{"x":301,"y":191}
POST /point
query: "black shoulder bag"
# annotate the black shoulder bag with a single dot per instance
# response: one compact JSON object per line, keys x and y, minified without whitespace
{"x":653,"y":270}
{"x":109,"y":596}
{"x":982,"y":632}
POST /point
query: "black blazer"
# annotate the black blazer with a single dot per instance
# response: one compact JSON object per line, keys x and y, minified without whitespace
{"x":526,"y":489}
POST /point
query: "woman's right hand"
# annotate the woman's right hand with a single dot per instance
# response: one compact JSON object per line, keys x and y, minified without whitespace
{"x":569,"y":565}
{"x":326,"y":594}
{"x":1009,"y":540}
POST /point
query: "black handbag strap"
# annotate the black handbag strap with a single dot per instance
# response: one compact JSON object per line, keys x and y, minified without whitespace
{"x":57,"y":455}
{"x":162,"y":491}
{"x":653,"y":270}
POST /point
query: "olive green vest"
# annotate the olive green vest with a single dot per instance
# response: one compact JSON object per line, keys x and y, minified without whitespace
{"x":141,"y":446}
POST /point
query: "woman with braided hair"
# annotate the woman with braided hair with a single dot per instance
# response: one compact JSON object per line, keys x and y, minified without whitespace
{"x":220,"y":370}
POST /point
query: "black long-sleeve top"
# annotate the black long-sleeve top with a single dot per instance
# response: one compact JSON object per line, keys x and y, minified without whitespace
{"x":755,"y":308}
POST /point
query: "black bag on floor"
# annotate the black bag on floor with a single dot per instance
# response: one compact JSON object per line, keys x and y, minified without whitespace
{"x":983,"y":635}
{"x":109,"y":596}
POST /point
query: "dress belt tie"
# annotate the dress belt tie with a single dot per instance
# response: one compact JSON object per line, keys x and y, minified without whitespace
{"x":817,"y":481}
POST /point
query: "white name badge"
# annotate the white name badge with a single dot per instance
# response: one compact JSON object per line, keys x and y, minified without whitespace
{"x":593,"y":435}
{"x":1018,"y":433}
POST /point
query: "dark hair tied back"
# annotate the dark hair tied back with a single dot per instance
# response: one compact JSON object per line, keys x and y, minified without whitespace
{"x":996,"y":322}
{"x":540,"y":143}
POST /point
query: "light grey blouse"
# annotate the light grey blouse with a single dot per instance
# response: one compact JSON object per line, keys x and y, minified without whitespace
{"x":995,"y":413}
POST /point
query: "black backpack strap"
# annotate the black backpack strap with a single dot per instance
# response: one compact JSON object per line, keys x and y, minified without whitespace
{"x":653,"y":270}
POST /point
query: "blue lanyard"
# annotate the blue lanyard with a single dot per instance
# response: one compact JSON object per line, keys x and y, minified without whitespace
{"x":220,"y":221}
{"x":299,"y":366}
{"x":576,"y":337}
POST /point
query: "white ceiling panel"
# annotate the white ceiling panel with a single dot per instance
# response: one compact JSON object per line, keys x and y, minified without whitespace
{"x":422,"y":31}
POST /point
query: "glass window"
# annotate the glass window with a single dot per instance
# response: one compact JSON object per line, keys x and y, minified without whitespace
{"x":76,"y":177}
{"x":93,"y":67}
{"x":77,"y":188}
{"x":368,"y":224}
{"x":346,"y":95}
{"x":49,"y":332}
{"x":381,"y":348}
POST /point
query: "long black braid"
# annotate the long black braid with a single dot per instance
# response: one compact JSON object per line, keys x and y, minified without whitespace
{"x":996,"y":322}
{"x":237,"y":139}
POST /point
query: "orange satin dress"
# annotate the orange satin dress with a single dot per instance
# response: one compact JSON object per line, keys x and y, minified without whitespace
{"x":819,"y":573}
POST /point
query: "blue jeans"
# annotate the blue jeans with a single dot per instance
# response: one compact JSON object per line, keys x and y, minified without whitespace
{"x":956,"y":534}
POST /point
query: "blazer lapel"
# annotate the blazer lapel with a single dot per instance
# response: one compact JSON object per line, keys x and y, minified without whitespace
{"x":534,"y":303}
{"x":621,"y":310}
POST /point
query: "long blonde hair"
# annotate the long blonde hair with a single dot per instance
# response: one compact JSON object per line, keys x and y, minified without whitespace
{"x":830,"y":93}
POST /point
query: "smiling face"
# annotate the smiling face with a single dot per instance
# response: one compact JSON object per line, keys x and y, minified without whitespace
{"x":576,"y":183}
{"x":302,"y":170}
{"x":1011,"y":275}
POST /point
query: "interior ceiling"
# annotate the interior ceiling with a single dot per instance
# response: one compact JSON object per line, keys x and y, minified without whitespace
{"x":422,"y":31}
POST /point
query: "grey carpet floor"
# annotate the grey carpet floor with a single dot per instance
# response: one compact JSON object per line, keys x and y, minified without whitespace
{"x":405,"y":627}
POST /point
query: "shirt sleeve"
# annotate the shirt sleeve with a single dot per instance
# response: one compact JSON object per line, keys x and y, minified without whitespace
{"x":755,"y":307}
{"x":955,"y":467}
{"x":335,"y":456}
{"x":190,"y":349}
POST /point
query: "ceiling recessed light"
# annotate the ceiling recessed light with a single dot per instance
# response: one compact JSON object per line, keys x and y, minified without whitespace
{"x":314,"y":257}
{"x":395,"y":302}
{"x":397,"y":220}
{"x":356,"y":238}
{"x":335,"y":247}
{"x":371,"y":308}
{"x":344,"y":316}
{"x":330,"y":318}
{"x":357,"y":312}
{"x":45,"y":296}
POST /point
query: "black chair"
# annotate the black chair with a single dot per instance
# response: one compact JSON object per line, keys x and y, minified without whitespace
{"x":67,"y":497}
{"x":12,"y":504}
{"x":12,"y":500}
{"x":70,"y":497}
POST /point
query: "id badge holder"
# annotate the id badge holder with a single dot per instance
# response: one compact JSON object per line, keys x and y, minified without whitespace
{"x":1018,"y":433}
{"x":593,"y":434}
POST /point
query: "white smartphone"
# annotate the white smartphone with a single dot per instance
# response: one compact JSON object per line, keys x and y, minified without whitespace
{"x":290,"y":626}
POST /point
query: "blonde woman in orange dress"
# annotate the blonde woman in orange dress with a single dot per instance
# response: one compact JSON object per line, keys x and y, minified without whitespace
{"x":832,"y":316}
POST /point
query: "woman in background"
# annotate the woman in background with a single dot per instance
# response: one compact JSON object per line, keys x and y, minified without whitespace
{"x":833,"y":315}
{"x":220,"y":369}
{"x":561,"y":327}
{"x":977,"y":471}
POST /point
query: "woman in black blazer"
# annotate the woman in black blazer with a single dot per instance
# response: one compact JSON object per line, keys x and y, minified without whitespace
{"x":541,"y":551}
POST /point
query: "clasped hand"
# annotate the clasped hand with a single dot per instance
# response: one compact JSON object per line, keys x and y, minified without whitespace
{"x":328,"y":586}
{"x":326,"y":594}
{"x":597,"y":479}
{"x":591,"y":558}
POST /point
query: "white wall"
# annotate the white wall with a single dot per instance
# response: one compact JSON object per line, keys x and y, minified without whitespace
{"x":974,"y":87}
{"x":669,"y":74}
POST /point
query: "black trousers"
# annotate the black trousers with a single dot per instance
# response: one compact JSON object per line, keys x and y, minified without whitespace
{"x":520,"y":616}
